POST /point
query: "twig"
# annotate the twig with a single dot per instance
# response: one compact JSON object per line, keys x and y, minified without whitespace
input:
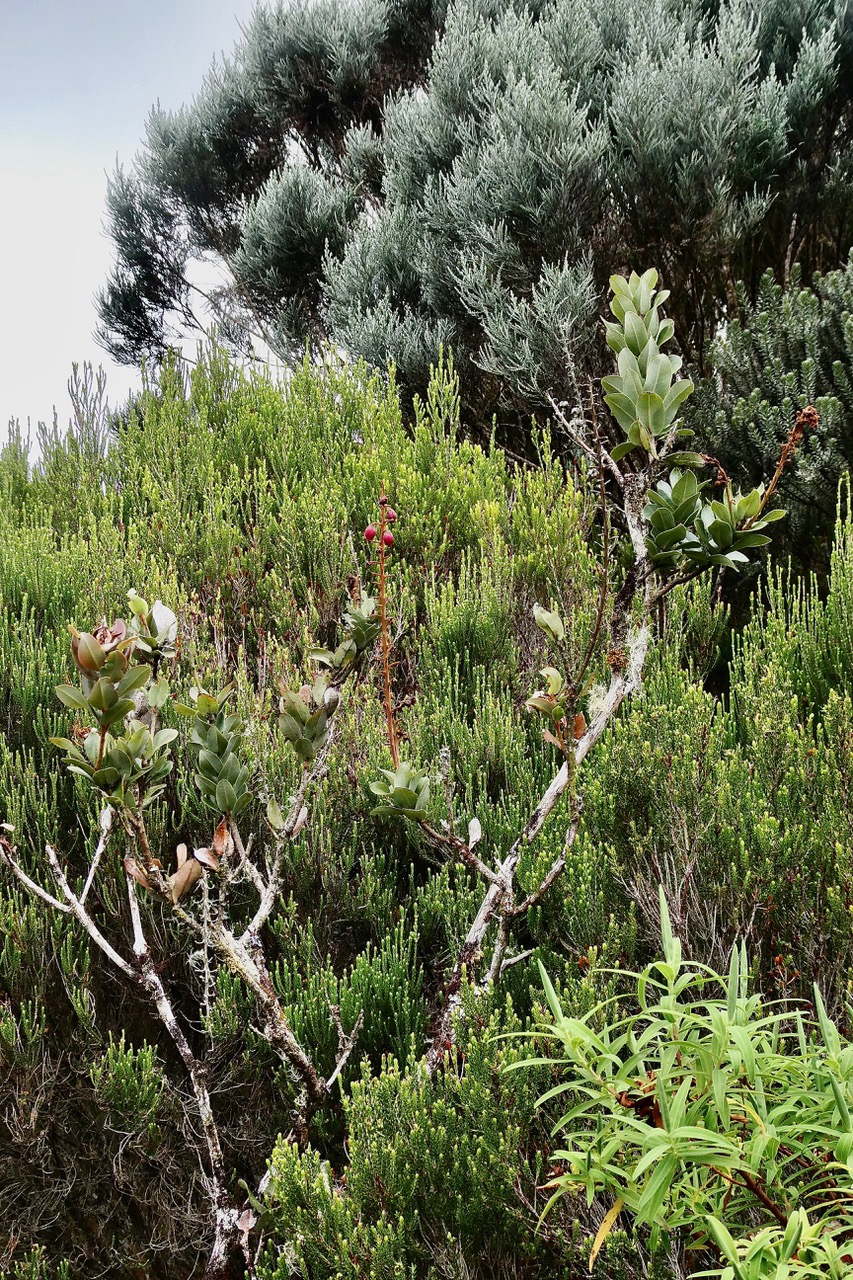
{"x":225,"y":1212}
{"x":7,"y":855}
{"x":106,"y":828}
{"x":514,"y":960}
{"x":79,"y":911}
{"x":346,"y":1043}
{"x":558,"y":866}
{"x":244,"y":957}
{"x":501,"y":943}
{"x":807,"y":419}
{"x":446,"y":841}
{"x":625,"y":679}
{"x":270,"y":891}
{"x":584,"y":445}
{"x":244,"y":862}
{"x":447,"y":780}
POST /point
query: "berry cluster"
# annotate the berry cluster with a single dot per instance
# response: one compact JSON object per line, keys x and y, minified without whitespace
{"x":389,"y":516}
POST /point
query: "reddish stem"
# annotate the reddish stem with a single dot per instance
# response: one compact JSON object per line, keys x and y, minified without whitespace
{"x":807,"y":419}
{"x":386,"y":643}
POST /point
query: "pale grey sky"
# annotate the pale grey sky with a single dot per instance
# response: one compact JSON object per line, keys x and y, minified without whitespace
{"x":76,"y":83}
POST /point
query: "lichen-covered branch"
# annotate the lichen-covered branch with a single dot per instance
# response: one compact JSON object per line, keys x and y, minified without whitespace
{"x":627,"y":655}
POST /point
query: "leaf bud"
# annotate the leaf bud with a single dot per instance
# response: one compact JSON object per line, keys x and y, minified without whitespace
{"x":88,"y":653}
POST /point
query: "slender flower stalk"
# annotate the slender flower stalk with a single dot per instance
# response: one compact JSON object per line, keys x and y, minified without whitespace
{"x":384,"y":539}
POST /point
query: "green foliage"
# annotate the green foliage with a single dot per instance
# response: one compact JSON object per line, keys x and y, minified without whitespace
{"x":683,"y":528}
{"x":404,"y":792}
{"x":215,"y":743}
{"x":682,"y":525}
{"x":695,"y":1106}
{"x":435,"y":1175}
{"x":208,"y":495}
{"x":233,"y":498}
{"x":360,"y":629}
{"x":120,"y":756}
{"x":642,"y":396}
{"x":790,"y":348}
{"x":130,"y":1083}
{"x":36,"y":1267}
{"x":394,"y":177}
{"x":304,"y":717}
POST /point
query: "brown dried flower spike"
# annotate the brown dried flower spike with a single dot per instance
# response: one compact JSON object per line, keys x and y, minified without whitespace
{"x":617,"y":659}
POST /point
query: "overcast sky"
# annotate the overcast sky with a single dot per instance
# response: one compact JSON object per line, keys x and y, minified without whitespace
{"x":77,"y":80}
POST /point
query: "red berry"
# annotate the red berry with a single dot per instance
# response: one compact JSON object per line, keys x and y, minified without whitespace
{"x":370,"y":532}
{"x":388,"y":538}
{"x":391,"y":515}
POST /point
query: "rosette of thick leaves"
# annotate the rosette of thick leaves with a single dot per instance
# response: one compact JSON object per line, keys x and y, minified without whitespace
{"x":108,"y":684}
{"x":404,"y":792}
{"x":642,"y":396}
{"x":304,"y":717}
{"x":726,"y":530}
{"x":670,"y":510}
{"x":216,"y":739}
{"x":361,"y":628}
{"x":683,"y":527}
{"x":129,"y":768}
{"x":154,"y":627}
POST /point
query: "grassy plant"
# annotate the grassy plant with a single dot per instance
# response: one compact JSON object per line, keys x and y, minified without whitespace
{"x":709,"y":1116}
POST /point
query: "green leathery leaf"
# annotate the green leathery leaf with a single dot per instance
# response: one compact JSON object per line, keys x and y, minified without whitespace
{"x":71,"y":697}
{"x":226,"y":797}
{"x":103,"y":696}
{"x":117,"y":712}
{"x":133,"y":679}
{"x":650,"y":413}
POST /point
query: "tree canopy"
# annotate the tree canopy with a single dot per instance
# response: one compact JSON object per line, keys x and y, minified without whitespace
{"x":390,"y":176}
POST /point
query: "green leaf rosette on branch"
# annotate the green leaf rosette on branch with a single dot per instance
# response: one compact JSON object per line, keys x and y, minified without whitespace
{"x":643,"y":397}
{"x":216,"y":738}
{"x":404,"y":793}
{"x":120,"y":753}
{"x":304,"y":717}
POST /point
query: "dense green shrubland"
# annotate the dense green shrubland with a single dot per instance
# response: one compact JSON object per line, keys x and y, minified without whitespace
{"x":791,"y":347}
{"x":237,"y":503}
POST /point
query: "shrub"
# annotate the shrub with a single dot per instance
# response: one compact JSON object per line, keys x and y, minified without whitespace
{"x":789,"y":348}
{"x":288,"y":971}
{"x":717,"y":1120}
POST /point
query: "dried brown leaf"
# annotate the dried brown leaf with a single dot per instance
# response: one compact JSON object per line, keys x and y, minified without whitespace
{"x":301,"y":819}
{"x":137,"y":873}
{"x":207,"y":858}
{"x":222,"y":841}
{"x":184,"y":879}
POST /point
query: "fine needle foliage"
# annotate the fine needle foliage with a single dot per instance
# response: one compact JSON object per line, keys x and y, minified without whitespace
{"x":708,"y":1113}
{"x":324,"y":801}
